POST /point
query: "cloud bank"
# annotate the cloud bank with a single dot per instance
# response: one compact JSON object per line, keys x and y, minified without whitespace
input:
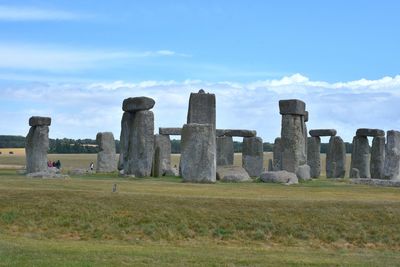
{"x":80,"y":110}
{"x":30,"y":13}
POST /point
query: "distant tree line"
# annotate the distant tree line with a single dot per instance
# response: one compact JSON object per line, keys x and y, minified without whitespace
{"x":72,"y":146}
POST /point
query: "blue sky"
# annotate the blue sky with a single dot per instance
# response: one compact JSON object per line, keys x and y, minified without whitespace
{"x":77,"y":60}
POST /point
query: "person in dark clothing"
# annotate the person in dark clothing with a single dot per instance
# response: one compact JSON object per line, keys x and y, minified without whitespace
{"x":58,"y":164}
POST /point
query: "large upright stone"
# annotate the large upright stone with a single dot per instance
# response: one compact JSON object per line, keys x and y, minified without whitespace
{"x":314,"y":156}
{"x":198,"y":153}
{"x":225,"y":151}
{"x":134,"y":104}
{"x":377,"y":163}
{"x":392,"y":158}
{"x":162,"y":155}
{"x":141,"y":144}
{"x":37,"y":144}
{"x":360,"y":156}
{"x":201,"y":108}
{"x":336,"y":158}
{"x":126,"y":123}
{"x":252,"y":155}
{"x":106,"y":157}
{"x":277,"y":155}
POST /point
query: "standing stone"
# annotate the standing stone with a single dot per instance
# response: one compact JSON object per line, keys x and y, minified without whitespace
{"x":360,"y":156}
{"x":392,"y":159}
{"x":252,"y":155}
{"x":225,"y":151}
{"x":377,"y":163}
{"x":162,"y":155}
{"x":277,"y":155}
{"x":106,"y":157}
{"x":126,"y":122}
{"x":336,"y":158}
{"x":314,"y":156}
{"x":198,"y":153}
{"x":201,"y":108}
{"x":37,"y":144}
{"x":141,"y":144}
{"x":354,"y":173}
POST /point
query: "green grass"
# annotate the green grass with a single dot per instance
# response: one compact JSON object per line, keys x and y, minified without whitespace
{"x":162,"y":221}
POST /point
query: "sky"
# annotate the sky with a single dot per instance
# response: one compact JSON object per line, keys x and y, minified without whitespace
{"x":76,"y":61}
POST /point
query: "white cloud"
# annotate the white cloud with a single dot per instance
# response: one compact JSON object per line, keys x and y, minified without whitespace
{"x":26,"y":13}
{"x":82,"y":109}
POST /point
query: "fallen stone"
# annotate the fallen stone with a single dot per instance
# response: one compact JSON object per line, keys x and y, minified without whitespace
{"x":375,"y":182}
{"x":282,"y":177}
{"x":370,"y":132}
{"x":172,"y":172}
{"x":134,"y":104}
{"x":354,"y":173}
{"x":303,"y":172}
{"x":170,"y":131}
{"x":80,"y":172}
{"x":292,"y":107}
{"x":314,"y":156}
{"x":252,"y":155}
{"x":232,"y":174}
{"x":47,"y":174}
{"x":377,"y":162}
{"x":236,"y":133}
{"x":322,"y":132}
{"x":39,"y":121}
{"x":392,"y":157}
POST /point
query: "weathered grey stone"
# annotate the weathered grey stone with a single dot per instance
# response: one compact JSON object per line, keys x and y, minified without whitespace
{"x":303,"y":172}
{"x":39,"y":121}
{"x":106,"y":157}
{"x":252,"y":155}
{"x":370,"y":132}
{"x":162,"y":155}
{"x":198,"y":153}
{"x":172,"y":172}
{"x":225,"y":150}
{"x":360,"y":156}
{"x":392,"y":157}
{"x":354,"y":173}
{"x":126,"y":122}
{"x":277,"y":155}
{"x":305,"y":139}
{"x":306,"y":116}
{"x":236,"y":133}
{"x":80,"y":171}
{"x":133,"y":104}
{"x":292,"y":107}
{"x":376,"y":182}
{"x":141,"y":144}
{"x":46,"y":175}
{"x":377,"y":162}
{"x":37,"y":144}
{"x":314,"y":156}
{"x":293,"y":142}
{"x":323,"y":132}
{"x":232,"y":174}
{"x":170,"y":131}
{"x":201,"y":109}
{"x":270,"y":165}
{"x":336,"y":158}
{"x":283,"y":177}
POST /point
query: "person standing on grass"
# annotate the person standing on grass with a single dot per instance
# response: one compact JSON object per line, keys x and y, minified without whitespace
{"x":91,"y":166}
{"x":58,"y":164}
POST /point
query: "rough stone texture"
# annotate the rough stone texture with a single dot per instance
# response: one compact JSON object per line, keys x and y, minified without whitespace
{"x":46,"y":174}
{"x":360,"y":156}
{"x":252,"y":155}
{"x":277,"y":155}
{"x":134,"y":104}
{"x":306,"y":116}
{"x":141,"y":144}
{"x":236,"y":132}
{"x":198,"y":153}
{"x":314,"y":156}
{"x":232,"y":174}
{"x":370,"y":132}
{"x":323,"y":132}
{"x":270,"y":165}
{"x":293,"y":142}
{"x":225,"y":151}
{"x":354,"y":173}
{"x":106,"y":157}
{"x":37,"y":144}
{"x":292,"y":107}
{"x":162,"y":155}
{"x":392,"y":157}
{"x":303,"y":172}
{"x":170,"y":131}
{"x":126,"y":123}
{"x":172,"y":172}
{"x":39,"y":121}
{"x":283,"y":177}
{"x":336,"y":158}
{"x":305,"y":138}
{"x":201,"y":109}
{"x":377,"y":162}
{"x":376,"y":182}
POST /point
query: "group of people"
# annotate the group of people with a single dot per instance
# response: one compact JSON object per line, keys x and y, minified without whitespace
{"x":56,"y":164}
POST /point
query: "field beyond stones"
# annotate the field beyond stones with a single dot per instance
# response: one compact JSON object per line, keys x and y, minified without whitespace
{"x":163,"y":222}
